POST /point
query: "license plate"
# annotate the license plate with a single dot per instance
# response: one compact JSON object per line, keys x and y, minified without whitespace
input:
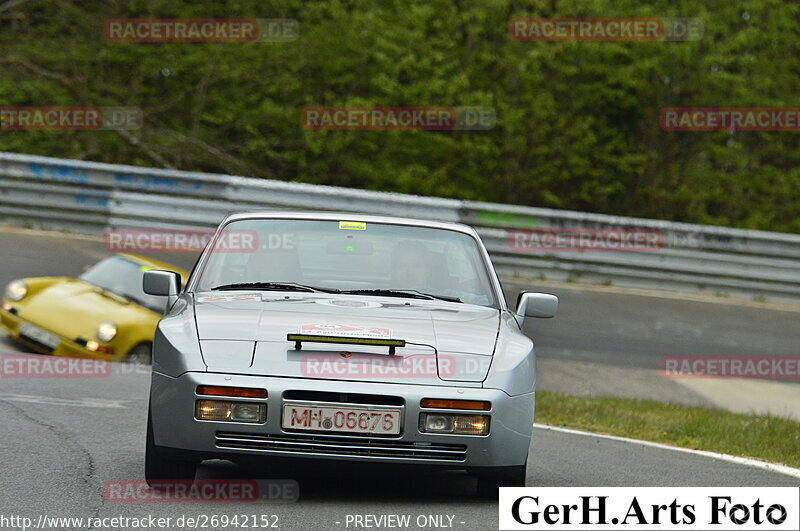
{"x":45,"y":338}
{"x":341,"y":419}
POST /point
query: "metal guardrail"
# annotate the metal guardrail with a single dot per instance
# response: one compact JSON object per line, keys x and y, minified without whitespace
{"x":90,"y":197}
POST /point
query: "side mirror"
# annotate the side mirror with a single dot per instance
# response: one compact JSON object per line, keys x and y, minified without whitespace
{"x":541,"y":305}
{"x":162,"y":284}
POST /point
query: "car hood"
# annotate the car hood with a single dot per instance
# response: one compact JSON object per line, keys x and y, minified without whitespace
{"x":246,"y":333}
{"x":73,"y":308}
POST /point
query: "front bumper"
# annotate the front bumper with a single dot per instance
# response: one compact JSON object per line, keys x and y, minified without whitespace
{"x":9,"y":322}
{"x":172,"y":409}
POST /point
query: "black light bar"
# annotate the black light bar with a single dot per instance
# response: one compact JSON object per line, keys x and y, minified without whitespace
{"x":299,"y":339}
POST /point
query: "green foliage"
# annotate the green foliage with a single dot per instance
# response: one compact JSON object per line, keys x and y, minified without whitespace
{"x":577,"y":122}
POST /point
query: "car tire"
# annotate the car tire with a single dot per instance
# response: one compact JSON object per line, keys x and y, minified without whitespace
{"x":141,"y":354}
{"x":490,"y":481}
{"x":158,"y":469}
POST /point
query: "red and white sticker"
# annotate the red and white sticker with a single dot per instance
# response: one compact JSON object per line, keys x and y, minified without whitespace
{"x":336,"y":330}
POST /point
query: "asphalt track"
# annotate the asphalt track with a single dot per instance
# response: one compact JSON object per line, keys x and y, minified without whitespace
{"x":64,"y":438}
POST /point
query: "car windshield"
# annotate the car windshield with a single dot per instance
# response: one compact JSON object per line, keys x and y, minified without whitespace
{"x":123,"y":277}
{"x":348,"y":257}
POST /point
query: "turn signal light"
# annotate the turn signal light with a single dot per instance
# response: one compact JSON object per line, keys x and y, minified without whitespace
{"x":238,"y":392}
{"x":94,"y":346}
{"x":477,"y":405}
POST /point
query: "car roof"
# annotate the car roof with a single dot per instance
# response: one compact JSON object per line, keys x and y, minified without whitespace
{"x":350,"y":216}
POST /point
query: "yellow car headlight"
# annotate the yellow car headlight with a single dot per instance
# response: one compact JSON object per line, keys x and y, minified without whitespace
{"x":106,"y":331}
{"x":16,"y":290}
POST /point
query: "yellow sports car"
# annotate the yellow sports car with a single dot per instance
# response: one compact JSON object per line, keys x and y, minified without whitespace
{"x":103,"y":314}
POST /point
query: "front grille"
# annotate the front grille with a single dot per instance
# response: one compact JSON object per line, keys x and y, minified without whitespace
{"x":39,"y":345}
{"x":344,"y":446}
{"x":350,"y":398}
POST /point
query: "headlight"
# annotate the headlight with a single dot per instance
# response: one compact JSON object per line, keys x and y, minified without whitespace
{"x":453,"y":423}
{"x":16,"y":290}
{"x":225,"y":411}
{"x":106,"y":331}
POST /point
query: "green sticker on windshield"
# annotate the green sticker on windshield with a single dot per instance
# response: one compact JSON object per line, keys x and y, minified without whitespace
{"x":146,"y":268}
{"x":352,"y":225}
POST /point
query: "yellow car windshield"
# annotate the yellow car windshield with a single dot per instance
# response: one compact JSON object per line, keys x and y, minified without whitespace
{"x":123,"y":277}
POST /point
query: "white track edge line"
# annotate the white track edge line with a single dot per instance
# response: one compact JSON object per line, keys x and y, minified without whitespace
{"x":771,"y":467}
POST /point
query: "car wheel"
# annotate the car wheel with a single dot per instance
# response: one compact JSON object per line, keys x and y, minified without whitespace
{"x":489,"y":482}
{"x":158,"y":469}
{"x":141,"y":354}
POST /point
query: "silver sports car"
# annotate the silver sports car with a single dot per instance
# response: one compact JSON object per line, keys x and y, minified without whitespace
{"x":343,"y":337}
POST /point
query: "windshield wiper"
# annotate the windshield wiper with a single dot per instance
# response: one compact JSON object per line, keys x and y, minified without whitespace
{"x":273,"y":286}
{"x":409,"y":293}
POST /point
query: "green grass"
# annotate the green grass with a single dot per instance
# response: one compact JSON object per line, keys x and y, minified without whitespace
{"x":759,"y":436}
